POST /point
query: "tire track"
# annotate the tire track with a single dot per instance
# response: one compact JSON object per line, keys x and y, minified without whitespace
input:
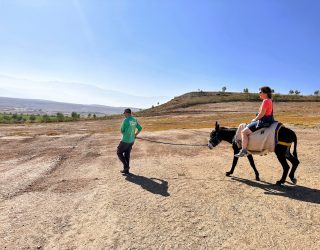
{"x":41,"y":183}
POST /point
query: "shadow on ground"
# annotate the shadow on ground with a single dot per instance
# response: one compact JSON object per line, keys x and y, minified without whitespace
{"x":153,"y":185}
{"x":296,"y":192}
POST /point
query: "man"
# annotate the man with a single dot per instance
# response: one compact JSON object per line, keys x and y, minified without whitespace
{"x":130,"y":128}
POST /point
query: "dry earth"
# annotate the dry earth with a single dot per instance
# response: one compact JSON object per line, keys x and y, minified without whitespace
{"x":60,"y":188}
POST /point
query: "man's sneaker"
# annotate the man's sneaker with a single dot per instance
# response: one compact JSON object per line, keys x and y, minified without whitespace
{"x":125,"y":171}
{"x":242,"y":153}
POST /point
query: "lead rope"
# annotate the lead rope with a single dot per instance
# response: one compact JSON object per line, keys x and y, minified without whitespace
{"x":175,"y":144}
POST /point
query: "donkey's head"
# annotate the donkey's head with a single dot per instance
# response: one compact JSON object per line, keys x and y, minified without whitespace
{"x":214,"y":137}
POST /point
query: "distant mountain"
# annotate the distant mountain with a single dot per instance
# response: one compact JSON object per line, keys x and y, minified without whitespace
{"x":74,"y":92}
{"x":32,"y":106}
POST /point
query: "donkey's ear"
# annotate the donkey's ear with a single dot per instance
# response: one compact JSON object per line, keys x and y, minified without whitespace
{"x":217,"y":125}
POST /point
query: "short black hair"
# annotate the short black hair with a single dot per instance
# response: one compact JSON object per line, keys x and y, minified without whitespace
{"x":128,"y":111}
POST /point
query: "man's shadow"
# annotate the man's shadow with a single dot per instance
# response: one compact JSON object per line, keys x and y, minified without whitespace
{"x":296,"y":192}
{"x":153,"y":185}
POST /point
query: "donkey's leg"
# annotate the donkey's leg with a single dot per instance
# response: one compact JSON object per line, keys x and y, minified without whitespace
{"x":282,"y":159}
{"x":234,"y":162}
{"x":295,"y":162}
{"x":250,"y":158}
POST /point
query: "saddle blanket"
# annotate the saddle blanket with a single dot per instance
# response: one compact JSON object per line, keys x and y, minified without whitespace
{"x":262,"y":141}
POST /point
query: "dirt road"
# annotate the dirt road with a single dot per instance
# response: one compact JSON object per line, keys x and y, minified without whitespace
{"x":60,"y":188}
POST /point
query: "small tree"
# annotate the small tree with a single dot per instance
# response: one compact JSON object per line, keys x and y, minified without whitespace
{"x":246,"y":90}
{"x":272,"y":91}
{"x":6,"y":118}
{"x":19,"y":118}
{"x":297,"y":92}
{"x":89,"y":115}
{"x":291,"y":92}
{"x":317,"y":92}
{"x":158,"y":103}
{"x":45,"y":118}
{"x":224,"y":88}
{"x":74,"y":116}
{"x":60,"y":117}
{"x":32,"y":118}
{"x":94,"y":116}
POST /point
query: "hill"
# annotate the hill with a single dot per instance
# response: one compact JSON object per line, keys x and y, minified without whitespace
{"x":32,"y":106}
{"x":201,"y":97}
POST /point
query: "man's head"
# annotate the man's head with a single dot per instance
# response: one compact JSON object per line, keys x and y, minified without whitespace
{"x":127,"y":112}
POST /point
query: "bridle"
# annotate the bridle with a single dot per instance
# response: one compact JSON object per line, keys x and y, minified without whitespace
{"x":214,"y":141}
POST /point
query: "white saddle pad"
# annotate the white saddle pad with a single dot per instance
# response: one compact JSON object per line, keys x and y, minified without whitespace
{"x":261,"y":141}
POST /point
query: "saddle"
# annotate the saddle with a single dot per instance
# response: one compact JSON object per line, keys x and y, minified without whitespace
{"x":262,"y":141}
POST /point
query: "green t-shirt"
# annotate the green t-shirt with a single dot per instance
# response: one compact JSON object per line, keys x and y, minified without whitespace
{"x":128,"y":129}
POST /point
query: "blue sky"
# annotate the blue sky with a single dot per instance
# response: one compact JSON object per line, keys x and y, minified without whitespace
{"x":157,"y":49}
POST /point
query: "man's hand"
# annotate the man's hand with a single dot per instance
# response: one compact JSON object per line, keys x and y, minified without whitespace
{"x":136,"y":134}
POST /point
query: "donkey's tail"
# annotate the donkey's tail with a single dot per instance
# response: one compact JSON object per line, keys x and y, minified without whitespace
{"x":295,"y":143}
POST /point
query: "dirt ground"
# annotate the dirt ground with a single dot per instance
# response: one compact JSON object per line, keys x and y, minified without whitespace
{"x":60,"y":188}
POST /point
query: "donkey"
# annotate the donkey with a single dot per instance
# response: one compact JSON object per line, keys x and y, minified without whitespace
{"x":283,"y":152}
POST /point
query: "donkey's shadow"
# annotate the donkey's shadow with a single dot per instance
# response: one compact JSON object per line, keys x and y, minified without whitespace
{"x":296,"y":192}
{"x":153,"y":185}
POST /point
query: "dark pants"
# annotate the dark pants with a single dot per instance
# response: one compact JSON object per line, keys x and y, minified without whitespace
{"x":123,"y":152}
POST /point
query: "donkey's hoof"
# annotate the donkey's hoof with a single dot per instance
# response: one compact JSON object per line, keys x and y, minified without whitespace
{"x":228,"y":173}
{"x":294,"y":180}
{"x":279,"y":183}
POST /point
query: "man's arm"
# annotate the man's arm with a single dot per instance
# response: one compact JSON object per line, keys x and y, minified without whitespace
{"x":137,"y":133}
{"x":122,"y":129}
{"x":139,"y":128}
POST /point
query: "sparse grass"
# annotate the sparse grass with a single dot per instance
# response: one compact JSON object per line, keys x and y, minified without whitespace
{"x":227,"y":120}
{"x":230,"y":114}
{"x":52,"y":133}
{"x":305,"y":120}
{"x":22,"y":134}
{"x":288,"y":113}
{"x":198,"y":98}
{"x":209,"y":122}
{"x":196,"y":117}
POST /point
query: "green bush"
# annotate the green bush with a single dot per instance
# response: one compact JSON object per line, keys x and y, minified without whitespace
{"x":75,"y":116}
{"x":60,"y":117}
{"x":32,"y":118}
{"x":45,"y":118}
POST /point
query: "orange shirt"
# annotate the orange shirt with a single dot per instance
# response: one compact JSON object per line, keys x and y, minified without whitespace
{"x":267,"y":105}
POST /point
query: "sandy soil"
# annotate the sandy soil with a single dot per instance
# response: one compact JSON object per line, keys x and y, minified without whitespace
{"x":60,"y":188}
